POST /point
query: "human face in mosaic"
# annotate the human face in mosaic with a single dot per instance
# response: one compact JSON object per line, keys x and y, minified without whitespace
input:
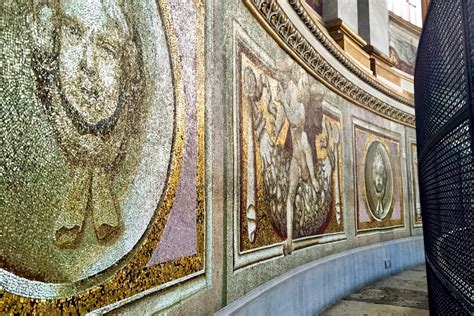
{"x":379,"y":173}
{"x":90,"y":58}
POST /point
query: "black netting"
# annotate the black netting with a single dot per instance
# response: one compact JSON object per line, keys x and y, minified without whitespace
{"x":444,"y":103}
{"x":443,"y":88}
{"x":442,"y":302}
{"x":447,"y":176}
{"x":470,"y":21}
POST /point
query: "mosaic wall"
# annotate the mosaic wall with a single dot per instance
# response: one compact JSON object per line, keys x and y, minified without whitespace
{"x":290,"y":149}
{"x":378,"y":180}
{"x":416,"y":189}
{"x":402,"y":46}
{"x":101,"y":151}
{"x":302,"y":180}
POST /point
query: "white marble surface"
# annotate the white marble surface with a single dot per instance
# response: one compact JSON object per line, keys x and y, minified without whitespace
{"x":311,"y":288}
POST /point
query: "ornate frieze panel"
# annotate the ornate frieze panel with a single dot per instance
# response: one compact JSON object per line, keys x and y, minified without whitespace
{"x":288,"y":139}
{"x":378,"y":183}
{"x":102,"y":152}
{"x":276,"y":22}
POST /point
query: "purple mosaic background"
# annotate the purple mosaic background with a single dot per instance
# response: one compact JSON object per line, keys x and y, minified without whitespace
{"x":180,"y":235}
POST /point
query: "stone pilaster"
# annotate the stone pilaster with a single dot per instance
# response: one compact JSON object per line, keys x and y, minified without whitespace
{"x":373,"y":23}
{"x":344,"y":10}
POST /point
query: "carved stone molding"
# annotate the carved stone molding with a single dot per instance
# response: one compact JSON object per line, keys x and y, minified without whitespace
{"x":281,"y":28}
{"x":404,"y":24}
{"x":333,"y":49}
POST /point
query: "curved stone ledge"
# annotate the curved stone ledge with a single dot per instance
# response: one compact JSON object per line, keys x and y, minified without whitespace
{"x":312,"y":287}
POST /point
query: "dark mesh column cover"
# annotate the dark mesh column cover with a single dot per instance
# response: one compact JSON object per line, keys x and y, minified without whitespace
{"x":444,"y":99}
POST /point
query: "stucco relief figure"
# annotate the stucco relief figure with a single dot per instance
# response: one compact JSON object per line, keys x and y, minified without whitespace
{"x":378,"y":180}
{"x":87,"y":67}
{"x":297,"y":185}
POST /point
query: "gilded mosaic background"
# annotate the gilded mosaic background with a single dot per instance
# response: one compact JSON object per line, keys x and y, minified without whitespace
{"x":378,"y":180}
{"x":416,"y":189}
{"x":290,"y":149}
{"x":101,"y":151}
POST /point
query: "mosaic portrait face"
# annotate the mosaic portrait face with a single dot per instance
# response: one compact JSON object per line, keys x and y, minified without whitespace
{"x":90,"y":57}
{"x":378,"y":180}
{"x":92,"y":116}
{"x":379,"y":173}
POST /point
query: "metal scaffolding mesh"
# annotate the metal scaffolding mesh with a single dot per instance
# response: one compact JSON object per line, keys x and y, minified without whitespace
{"x":444,"y":106}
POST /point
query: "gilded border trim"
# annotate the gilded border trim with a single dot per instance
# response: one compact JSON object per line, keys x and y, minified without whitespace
{"x":412,"y":146}
{"x":387,"y":223}
{"x":271,"y":16}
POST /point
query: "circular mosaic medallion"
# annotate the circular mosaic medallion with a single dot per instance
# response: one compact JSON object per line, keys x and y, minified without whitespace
{"x":90,"y":113}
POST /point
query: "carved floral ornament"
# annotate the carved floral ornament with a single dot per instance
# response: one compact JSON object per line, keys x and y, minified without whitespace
{"x":276,"y":22}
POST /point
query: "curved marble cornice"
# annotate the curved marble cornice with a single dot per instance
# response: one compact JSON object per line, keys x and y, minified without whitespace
{"x":276,"y":22}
